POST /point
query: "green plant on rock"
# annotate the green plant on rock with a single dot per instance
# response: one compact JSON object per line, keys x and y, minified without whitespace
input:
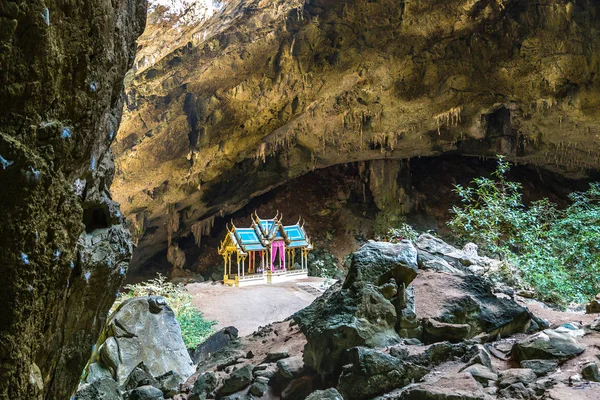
{"x":557,"y":252}
{"x":194,"y":328}
{"x":403,"y":232}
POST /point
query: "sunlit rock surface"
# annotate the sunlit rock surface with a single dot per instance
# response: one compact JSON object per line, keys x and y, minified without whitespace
{"x":253,"y":93}
{"x":64,"y":249}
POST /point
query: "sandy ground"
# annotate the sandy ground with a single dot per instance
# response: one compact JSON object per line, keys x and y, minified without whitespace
{"x":248,"y":308}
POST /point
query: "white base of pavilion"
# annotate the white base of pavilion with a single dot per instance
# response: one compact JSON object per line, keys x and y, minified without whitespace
{"x":286,"y":276}
{"x":264,"y":279}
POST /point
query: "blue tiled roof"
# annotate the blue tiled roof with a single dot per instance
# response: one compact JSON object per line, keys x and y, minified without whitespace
{"x":247,"y":236}
{"x":294,"y":232}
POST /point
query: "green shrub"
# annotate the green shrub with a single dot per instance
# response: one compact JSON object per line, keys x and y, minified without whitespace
{"x":194,"y":328}
{"x":402,"y":232}
{"x":557,"y":252}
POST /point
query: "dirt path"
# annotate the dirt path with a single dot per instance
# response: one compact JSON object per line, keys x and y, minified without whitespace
{"x":247,"y":308}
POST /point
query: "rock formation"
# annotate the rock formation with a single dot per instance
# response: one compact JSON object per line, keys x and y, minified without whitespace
{"x":375,"y":307}
{"x":141,"y":345}
{"x":353,"y":348}
{"x":63,"y":248}
{"x":255,"y":93}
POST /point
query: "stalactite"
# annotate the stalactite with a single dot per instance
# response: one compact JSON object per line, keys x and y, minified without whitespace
{"x":449,"y":118}
{"x":172,"y":222}
{"x":203,"y":227}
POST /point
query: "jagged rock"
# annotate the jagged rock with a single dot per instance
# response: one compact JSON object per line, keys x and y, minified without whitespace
{"x":595,"y":325}
{"x":205,"y":384}
{"x":236,"y":396}
{"x":516,"y":391}
{"x":290,"y":368}
{"x":370,"y":373}
{"x":435,"y":354}
{"x":543,"y":384}
{"x":144,"y":329}
{"x":515,"y":375}
{"x":259,"y":386}
{"x":377,"y":262}
{"x":448,"y":387}
{"x":276,"y":355}
{"x":439,"y":264}
{"x":214,"y":343}
{"x":389,"y":290}
{"x":435,"y":331}
{"x":481,"y":356}
{"x":97,"y":371}
{"x":540,"y":367}
{"x":265,"y":370}
{"x":169,"y":383}
{"x":100,"y":389}
{"x":594,"y":306}
{"x":139,"y":376}
{"x":238,"y":380}
{"x":327,"y":394}
{"x":430,"y":248}
{"x":298,"y":389}
{"x":482,"y":374}
{"x":223,"y":358}
{"x":547,"y":344}
{"x":146,"y":393}
{"x":357,"y":314}
{"x":590,"y":372}
{"x":464,"y":300}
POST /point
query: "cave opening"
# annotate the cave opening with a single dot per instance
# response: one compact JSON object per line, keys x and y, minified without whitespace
{"x":346,"y":204}
{"x":95,"y":217}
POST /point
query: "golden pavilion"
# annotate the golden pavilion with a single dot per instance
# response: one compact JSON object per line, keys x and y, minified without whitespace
{"x":267,"y":252}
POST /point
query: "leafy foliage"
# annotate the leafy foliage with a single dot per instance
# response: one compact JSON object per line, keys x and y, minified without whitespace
{"x":557,"y":252}
{"x":402,"y":232}
{"x":194,"y":328}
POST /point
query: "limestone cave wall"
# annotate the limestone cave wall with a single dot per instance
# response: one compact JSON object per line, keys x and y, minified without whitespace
{"x":64,"y":249}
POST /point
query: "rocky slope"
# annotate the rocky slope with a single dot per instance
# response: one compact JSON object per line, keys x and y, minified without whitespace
{"x":364,"y":339}
{"x":254,"y":93}
{"x":63,"y":247}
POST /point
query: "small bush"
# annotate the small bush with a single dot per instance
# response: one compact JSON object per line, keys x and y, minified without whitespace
{"x":194,"y":328}
{"x":557,"y":252}
{"x":403,"y":232}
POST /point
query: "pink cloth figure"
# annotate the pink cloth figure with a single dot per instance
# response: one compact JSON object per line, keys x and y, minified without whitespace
{"x":277,"y":246}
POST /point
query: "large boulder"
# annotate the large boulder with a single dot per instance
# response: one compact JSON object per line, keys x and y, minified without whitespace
{"x":214,"y":343}
{"x":378,"y":262}
{"x":548,"y":344}
{"x":291,"y":367}
{"x":146,"y":392}
{"x":100,"y":389}
{"x":371,"y":372}
{"x":358,"y":313}
{"x":238,"y":380}
{"x":431,"y":248}
{"x":448,"y":387}
{"x":205,"y":384}
{"x":327,"y":394}
{"x":144,"y":330}
{"x":454,"y":307}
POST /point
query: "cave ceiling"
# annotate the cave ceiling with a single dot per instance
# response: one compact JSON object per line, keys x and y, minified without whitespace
{"x":250,"y":94}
